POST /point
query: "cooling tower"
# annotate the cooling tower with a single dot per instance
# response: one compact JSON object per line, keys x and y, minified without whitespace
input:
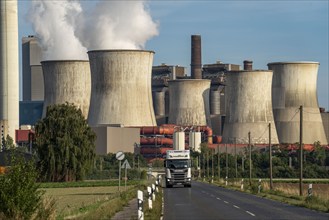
{"x":196,"y":63}
{"x":9,"y":68}
{"x":159,"y":103}
{"x":294,"y":84}
{"x":189,"y":102}
{"x":121,"y":88}
{"x":67,"y":81}
{"x":249,"y":107}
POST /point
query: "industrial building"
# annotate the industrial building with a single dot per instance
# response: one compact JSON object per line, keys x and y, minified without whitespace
{"x":111,"y":139}
{"x":33,"y":85}
{"x":216,"y":72}
{"x":129,"y":103}
{"x":9,"y":68}
{"x":160,"y":76}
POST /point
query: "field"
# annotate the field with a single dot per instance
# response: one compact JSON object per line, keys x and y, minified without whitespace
{"x":320,"y":190}
{"x":70,"y":200}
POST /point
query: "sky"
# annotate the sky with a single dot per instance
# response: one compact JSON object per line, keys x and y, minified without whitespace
{"x":233,"y":31}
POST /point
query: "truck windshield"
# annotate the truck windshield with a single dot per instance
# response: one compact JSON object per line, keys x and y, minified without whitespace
{"x":178,"y":164}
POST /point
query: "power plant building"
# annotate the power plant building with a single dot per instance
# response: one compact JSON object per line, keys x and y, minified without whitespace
{"x":216,"y":73}
{"x":33,"y":85}
{"x":160,"y":76}
{"x":294,"y":85}
{"x":9,"y":68}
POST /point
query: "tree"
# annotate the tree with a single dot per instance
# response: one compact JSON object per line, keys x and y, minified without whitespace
{"x":19,"y":193}
{"x":65,"y":144}
{"x":8,"y":143}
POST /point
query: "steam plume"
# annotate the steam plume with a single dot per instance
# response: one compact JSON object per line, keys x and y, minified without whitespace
{"x":66,"y":31}
{"x":53,"y":23}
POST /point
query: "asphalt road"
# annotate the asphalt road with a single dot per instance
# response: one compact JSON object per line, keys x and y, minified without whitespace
{"x":204,"y":201}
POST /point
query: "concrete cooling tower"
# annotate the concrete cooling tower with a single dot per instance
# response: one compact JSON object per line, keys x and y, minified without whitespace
{"x":67,"y":81}
{"x":294,"y":84}
{"x":121,"y":88}
{"x":249,"y":107}
{"x":9,"y":68}
{"x":189,"y":102}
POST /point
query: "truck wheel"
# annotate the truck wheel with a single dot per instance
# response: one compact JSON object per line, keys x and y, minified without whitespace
{"x":168,"y":186}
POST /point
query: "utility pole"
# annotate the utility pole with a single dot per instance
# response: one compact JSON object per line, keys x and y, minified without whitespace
{"x":218,"y":159}
{"x":249,"y":158}
{"x":226,"y":161}
{"x":236,"y":159}
{"x":270,"y":151}
{"x":301,"y":151}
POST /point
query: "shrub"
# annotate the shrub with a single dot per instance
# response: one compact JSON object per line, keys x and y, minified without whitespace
{"x":19,"y":194}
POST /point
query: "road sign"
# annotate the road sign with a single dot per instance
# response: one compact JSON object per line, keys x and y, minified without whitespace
{"x":126,"y":165}
{"x":120,"y":155}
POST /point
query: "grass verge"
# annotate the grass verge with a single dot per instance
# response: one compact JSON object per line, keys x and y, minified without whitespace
{"x":156,"y":211}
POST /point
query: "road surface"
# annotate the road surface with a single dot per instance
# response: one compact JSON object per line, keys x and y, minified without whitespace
{"x":204,"y":201}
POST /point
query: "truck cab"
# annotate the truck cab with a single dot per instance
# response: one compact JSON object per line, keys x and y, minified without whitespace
{"x":178,"y":168}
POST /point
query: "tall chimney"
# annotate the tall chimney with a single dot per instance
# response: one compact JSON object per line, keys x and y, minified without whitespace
{"x":247,"y":65}
{"x":196,"y":72}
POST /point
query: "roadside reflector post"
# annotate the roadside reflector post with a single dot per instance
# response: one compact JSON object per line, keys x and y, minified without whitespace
{"x":157,"y":186}
{"x":153,"y":192}
{"x":149,"y":191}
{"x":310,"y":190}
{"x":242,"y":184}
{"x":259,"y":185}
{"x":140,"y":202}
{"x":226,"y":181}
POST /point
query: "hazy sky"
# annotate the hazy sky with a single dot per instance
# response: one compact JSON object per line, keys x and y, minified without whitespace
{"x":232,"y":31}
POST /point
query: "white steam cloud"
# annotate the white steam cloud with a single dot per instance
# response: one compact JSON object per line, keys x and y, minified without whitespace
{"x":53,"y":23}
{"x":66,"y":31}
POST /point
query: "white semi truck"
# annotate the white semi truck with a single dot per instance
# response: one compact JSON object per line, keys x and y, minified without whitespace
{"x":178,"y":168}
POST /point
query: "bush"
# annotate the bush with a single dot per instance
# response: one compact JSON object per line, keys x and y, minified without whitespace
{"x":19,"y":193}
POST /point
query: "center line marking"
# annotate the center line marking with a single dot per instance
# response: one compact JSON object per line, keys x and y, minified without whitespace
{"x":226,"y":202}
{"x":236,"y":206}
{"x":250,"y":213}
{"x":218,"y":198}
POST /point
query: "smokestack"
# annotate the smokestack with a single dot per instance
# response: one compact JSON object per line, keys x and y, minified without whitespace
{"x":9,"y":68}
{"x":247,"y":65}
{"x":196,"y":63}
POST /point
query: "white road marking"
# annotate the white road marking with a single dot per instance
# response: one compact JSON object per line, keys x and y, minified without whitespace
{"x":218,"y":198}
{"x":236,"y":206}
{"x":250,"y":213}
{"x":226,"y":202}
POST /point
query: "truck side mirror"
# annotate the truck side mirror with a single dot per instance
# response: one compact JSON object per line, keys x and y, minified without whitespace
{"x":164,"y":163}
